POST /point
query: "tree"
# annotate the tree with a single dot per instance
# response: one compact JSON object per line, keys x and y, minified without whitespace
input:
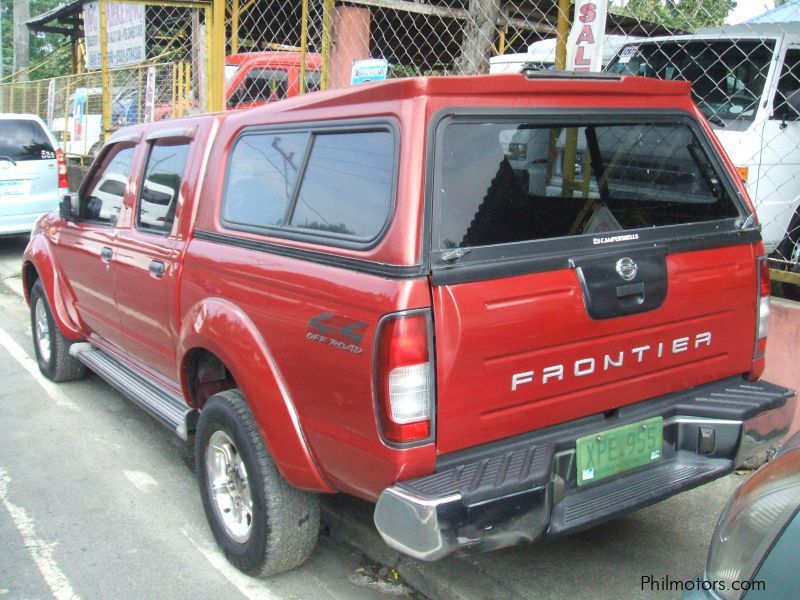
{"x":687,"y":15}
{"x":480,"y":30}
{"x":49,"y":48}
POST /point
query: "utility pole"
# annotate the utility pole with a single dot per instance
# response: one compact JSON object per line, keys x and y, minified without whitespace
{"x":22,"y":12}
{"x":2,"y":66}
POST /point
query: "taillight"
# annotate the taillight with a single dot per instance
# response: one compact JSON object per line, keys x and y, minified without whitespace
{"x":404,"y":378}
{"x":763,"y":306}
{"x":61,"y":163}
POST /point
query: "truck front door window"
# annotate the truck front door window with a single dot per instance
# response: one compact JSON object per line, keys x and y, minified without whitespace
{"x":787,"y":97}
{"x":105,"y":194}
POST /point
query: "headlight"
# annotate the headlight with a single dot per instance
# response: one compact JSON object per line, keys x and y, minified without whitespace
{"x":749,"y":524}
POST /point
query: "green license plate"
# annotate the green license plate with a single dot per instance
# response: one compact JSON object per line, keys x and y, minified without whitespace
{"x":607,"y":453}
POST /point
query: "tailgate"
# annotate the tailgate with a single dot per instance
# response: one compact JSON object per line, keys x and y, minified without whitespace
{"x":581,"y":267}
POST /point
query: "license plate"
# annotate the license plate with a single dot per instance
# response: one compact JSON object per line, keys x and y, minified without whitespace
{"x":608,"y":453}
{"x":8,"y":188}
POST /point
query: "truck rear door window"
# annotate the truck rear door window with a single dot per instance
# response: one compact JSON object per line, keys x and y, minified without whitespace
{"x":158,"y":198}
{"x":514,"y":181}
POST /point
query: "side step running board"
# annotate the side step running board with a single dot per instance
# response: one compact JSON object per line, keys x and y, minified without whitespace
{"x":162,"y":404}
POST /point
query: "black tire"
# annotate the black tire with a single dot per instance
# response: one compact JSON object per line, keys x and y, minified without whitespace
{"x":284,"y":521}
{"x":51,"y":347}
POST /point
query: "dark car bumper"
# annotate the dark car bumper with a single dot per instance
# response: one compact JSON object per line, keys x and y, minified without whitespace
{"x":525,"y":488}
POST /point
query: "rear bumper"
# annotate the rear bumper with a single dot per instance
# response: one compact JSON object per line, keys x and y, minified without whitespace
{"x":22,"y":223}
{"x":523,"y":489}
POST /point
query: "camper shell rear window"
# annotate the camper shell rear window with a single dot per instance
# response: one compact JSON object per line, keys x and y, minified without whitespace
{"x":516,"y":179}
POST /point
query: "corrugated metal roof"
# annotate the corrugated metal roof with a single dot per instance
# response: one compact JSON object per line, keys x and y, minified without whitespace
{"x":786,"y":13}
{"x":66,"y":9}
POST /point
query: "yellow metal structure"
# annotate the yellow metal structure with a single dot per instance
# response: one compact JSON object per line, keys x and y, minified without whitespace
{"x":234,"y":26}
{"x":784,"y":276}
{"x":214,"y":11}
{"x":327,"y":43}
{"x":303,"y":46}
{"x":105,"y":80}
{"x":562,"y":27}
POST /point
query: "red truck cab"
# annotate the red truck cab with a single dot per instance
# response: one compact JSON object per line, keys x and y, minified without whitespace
{"x":503,"y":308}
{"x":254,"y":78}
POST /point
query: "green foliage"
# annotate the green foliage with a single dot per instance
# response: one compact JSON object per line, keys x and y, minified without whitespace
{"x":687,"y":15}
{"x":49,"y":48}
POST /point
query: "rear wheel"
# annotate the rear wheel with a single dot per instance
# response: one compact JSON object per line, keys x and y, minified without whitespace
{"x":52,"y":348}
{"x":264,"y":525}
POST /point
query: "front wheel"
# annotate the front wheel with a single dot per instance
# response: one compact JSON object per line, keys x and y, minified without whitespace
{"x":52,"y":348}
{"x":264,"y":525}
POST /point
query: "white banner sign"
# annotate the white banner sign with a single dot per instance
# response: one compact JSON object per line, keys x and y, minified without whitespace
{"x":585,"y":42}
{"x":51,"y":101}
{"x":124,"y":31}
{"x":150,"y":95}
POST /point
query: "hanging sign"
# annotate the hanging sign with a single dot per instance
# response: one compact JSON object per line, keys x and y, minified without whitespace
{"x":585,"y":41}
{"x":125,"y":37}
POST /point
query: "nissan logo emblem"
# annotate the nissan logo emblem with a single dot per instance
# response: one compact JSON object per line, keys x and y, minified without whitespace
{"x":626,"y":268}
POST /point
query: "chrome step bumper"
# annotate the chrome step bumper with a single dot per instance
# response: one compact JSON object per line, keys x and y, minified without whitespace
{"x":524,"y":489}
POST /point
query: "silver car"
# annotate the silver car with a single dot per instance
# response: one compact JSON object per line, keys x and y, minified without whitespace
{"x":33,"y":172}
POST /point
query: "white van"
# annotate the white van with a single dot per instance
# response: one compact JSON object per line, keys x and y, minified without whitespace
{"x":542,"y":55}
{"x":746,"y":80}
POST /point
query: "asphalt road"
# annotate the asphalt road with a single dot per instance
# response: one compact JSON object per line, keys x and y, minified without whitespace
{"x":98,"y":501}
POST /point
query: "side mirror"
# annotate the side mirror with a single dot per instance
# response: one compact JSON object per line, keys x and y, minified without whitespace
{"x":69,"y":207}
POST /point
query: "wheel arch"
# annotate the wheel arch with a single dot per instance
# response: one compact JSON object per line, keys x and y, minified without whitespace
{"x":39,"y":264}
{"x":216,"y":329}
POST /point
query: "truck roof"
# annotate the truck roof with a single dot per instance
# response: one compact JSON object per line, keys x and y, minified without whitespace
{"x":539,"y":83}
{"x":542,"y":83}
{"x":278,"y":57}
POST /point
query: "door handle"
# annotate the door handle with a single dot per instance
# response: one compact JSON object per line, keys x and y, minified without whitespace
{"x":157,"y":268}
{"x":630,"y":294}
{"x":105,"y":254}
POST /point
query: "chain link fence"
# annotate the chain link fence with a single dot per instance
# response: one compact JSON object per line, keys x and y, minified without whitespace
{"x":167,"y":82}
{"x":745,"y":78}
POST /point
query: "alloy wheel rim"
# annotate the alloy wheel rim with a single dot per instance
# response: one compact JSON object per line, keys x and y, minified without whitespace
{"x":42,"y":330}
{"x":229,"y":487}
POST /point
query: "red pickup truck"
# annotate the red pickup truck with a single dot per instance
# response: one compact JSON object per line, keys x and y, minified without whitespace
{"x":254,"y":78}
{"x":502,"y":308}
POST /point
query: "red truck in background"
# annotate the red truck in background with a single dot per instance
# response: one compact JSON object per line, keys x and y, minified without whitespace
{"x":502,"y":308}
{"x":253,"y":78}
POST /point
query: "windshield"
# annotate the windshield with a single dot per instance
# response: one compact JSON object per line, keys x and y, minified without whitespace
{"x":727,"y":76}
{"x":513,"y":181}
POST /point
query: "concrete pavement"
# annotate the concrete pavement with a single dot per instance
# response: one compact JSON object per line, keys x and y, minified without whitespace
{"x":98,"y":501}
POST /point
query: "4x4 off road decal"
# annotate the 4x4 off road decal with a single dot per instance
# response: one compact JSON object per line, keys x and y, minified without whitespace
{"x":339,"y":332}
